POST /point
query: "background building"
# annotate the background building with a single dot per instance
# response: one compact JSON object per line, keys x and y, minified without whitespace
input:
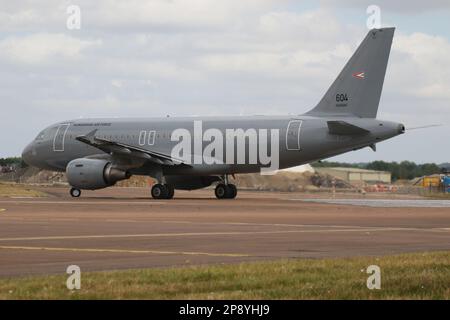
{"x":357,"y":176}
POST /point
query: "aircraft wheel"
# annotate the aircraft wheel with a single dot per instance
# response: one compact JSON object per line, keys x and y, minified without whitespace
{"x":232,"y":191}
{"x":159,"y":191}
{"x":221,"y":191}
{"x":170,"y":191}
{"x":74,"y":192}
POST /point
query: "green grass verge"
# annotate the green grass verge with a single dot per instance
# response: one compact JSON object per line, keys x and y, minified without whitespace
{"x":18,"y":190}
{"x":408,"y":276}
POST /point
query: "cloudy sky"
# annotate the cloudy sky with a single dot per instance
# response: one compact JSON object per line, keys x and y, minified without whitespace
{"x":208,"y":57}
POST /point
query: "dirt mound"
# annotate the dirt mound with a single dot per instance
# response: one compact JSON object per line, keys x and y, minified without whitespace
{"x":327,"y":181}
{"x":136,"y":181}
{"x":282,"y":181}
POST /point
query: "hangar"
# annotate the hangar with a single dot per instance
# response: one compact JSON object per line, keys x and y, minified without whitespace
{"x":356,"y":175}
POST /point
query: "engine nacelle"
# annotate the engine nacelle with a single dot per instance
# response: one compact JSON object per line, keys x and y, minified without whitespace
{"x":91,"y":174}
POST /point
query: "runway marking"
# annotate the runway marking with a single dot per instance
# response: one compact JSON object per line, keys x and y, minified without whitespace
{"x":209,"y":223}
{"x":264,"y":224}
{"x":22,"y":197}
{"x":123,"y":220}
{"x":193,"y":253}
{"x":34,"y":220}
{"x":383,"y":203}
{"x":83,"y":202}
{"x":231,"y":233}
{"x":37,"y":222}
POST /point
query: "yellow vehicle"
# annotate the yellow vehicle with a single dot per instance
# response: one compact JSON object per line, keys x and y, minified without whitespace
{"x":431,"y":181}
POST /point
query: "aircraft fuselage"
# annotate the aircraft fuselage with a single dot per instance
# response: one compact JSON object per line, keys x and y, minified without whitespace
{"x":300,"y":140}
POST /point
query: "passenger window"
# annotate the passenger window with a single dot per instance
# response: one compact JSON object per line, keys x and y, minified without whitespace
{"x":142,"y":137}
{"x":151,"y":138}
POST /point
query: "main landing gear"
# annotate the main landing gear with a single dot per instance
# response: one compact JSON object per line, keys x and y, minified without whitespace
{"x":74,"y":192}
{"x":225,"y":190}
{"x":162,"y":191}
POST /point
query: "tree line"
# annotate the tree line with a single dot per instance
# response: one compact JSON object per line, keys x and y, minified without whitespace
{"x":17,"y":161}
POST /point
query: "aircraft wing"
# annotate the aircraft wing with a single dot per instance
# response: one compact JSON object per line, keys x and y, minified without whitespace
{"x":345,"y":128}
{"x":123,"y":149}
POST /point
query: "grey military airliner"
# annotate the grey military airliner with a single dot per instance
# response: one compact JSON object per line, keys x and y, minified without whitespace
{"x":190,"y":153}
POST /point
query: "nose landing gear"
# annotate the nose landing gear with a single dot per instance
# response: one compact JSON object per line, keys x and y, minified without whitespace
{"x":74,"y":192}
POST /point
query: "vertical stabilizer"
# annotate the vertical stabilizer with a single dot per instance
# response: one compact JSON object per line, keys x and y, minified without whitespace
{"x":357,"y":89}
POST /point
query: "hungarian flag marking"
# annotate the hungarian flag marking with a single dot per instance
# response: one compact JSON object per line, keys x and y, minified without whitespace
{"x":359,"y":75}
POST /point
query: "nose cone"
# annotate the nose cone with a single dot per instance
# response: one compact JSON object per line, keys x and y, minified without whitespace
{"x":27,"y":154}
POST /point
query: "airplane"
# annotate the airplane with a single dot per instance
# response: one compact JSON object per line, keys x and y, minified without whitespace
{"x":188,"y":153}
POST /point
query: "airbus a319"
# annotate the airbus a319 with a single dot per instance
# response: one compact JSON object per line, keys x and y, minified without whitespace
{"x":196,"y":152}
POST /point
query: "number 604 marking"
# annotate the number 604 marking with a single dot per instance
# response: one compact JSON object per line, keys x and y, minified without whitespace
{"x":340,"y":97}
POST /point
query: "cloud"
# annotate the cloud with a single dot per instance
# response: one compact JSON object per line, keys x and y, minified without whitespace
{"x":131,"y":15}
{"x":402,"y":7}
{"x":43,"y":48}
{"x":25,"y":15}
{"x":422,"y":60}
{"x":287,"y":25}
{"x":204,"y":57}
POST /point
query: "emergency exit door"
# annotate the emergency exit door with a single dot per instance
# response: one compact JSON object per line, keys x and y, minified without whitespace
{"x":293,"y":135}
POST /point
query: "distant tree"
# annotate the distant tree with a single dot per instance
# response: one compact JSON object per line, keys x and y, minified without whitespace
{"x":23,"y":164}
{"x":379,"y":165}
{"x":429,"y":168}
{"x":330,"y":164}
{"x":10,"y":161}
{"x":408,"y":170}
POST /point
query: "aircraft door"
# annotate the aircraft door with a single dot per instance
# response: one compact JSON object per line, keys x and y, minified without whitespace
{"x":58,"y":141}
{"x":293,"y":135}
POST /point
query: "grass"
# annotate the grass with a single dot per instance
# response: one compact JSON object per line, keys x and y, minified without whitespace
{"x":408,"y":276}
{"x":17,"y":190}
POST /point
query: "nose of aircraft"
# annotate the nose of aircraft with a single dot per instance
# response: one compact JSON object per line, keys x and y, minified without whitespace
{"x":27,"y":154}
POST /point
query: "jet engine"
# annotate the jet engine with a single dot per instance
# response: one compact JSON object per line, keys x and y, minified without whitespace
{"x":91,"y":174}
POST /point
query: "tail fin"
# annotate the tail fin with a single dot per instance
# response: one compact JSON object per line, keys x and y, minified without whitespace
{"x":357,"y":89}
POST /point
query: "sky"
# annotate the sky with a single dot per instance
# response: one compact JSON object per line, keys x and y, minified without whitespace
{"x":135,"y":58}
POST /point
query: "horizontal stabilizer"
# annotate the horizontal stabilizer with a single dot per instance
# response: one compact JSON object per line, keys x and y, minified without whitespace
{"x":345,"y":128}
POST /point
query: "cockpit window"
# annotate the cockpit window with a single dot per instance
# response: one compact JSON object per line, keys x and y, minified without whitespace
{"x":40,"y":136}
